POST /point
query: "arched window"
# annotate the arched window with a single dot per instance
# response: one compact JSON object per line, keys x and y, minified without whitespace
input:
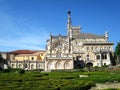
{"x":58,"y":54}
{"x":67,"y":65}
{"x":88,"y":57}
{"x":20,"y":66}
{"x":89,"y":64}
{"x":32,"y":58}
{"x":25,"y":65}
{"x":32,"y":66}
{"x":105,"y":56}
{"x":104,"y":64}
{"x":13,"y":65}
{"x":59,"y":65}
{"x":98,"y":57}
{"x":39,"y":66}
{"x":50,"y":66}
{"x":57,"y":44}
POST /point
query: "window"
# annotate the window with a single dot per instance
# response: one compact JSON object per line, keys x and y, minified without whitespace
{"x":109,"y":48}
{"x":58,"y":54}
{"x":39,"y":66}
{"x":91,"y":48}
{"x":104,"y":56}
{"x":12,"y":65}
{"x":87,"y":48}
{"x":98,"y":57}
{"x":25,"y":65}
{"x":32,"y":66}
{"x":88,"y":57}
{"x":72,"y":32}
{"x":78,"y":57}
{"x":20,"y":66}
{"x":32,"y":58}
{"x":67,"y":65}
{"x":57,"y":44}
{"x":104,"y":64}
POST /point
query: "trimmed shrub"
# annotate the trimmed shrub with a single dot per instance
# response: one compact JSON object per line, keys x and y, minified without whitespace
{"x":6,"y":70}
{"x":21,"y":71}
{"x":46,"y":74}
{"x":69,"y":77}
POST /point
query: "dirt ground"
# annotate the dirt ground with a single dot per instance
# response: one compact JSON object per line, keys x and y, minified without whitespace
{"x":105,"y":86}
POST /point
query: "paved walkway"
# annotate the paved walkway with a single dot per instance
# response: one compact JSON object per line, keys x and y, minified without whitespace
{"x":100,"y":86}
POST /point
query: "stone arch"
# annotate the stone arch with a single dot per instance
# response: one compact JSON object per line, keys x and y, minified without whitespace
{"x":25,"y":65}
{"x":32,"y":66}
{"x":50,"y":65}
{"x":79,"y":64}
{"x":20,"y":65}
{"x":39,"y":66}
{"x":13,"y":66}
{"x":59,"y":65}
{"x":89,"y":64}
{"x":67,"y":65}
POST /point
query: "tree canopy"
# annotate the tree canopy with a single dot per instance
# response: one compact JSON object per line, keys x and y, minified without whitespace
{"x":117,"y":51}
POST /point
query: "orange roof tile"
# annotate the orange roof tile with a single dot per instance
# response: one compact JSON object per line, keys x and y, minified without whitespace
{"x":26,"y":51}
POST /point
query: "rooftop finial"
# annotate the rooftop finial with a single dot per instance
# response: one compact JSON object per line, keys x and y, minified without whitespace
{"x":69,"y":12}
{"x":69,"y":17}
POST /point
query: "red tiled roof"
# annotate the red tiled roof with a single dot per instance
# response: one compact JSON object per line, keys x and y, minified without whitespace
{"x":26,"y":51}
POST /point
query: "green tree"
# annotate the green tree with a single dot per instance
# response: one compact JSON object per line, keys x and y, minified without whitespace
{"x":117,"y":52}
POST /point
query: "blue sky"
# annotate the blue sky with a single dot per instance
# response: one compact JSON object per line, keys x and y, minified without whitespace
{"x":26,"y":24}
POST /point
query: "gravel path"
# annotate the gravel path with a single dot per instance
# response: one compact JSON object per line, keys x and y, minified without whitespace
{"x":100,"y":86}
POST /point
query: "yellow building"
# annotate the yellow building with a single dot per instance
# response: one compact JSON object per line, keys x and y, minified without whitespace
{"x":28,"y":59}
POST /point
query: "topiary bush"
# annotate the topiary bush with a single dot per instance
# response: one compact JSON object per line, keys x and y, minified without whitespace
{"x":6,"y":70}
{"x":21,"y":71}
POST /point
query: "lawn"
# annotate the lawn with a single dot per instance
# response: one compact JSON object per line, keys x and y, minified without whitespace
{"x":55,"y":80}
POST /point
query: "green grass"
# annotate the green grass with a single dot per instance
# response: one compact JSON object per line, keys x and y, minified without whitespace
{"x":55,"y":80}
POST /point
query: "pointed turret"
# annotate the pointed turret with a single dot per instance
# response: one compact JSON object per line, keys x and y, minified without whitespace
{"x":106,"y":36}
{"x":69,"y":23}
{"x":50,"y":44}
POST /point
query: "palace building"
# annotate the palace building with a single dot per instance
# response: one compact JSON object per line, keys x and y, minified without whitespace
{"x":77,"y":49}
{"x":27,"y":59}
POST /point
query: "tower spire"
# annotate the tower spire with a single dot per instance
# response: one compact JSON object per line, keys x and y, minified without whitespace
{"x":69,"y":17}
{"x":69,"y":23}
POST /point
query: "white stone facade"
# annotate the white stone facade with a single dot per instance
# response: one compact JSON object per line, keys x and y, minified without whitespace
{"x":77,"y":49}
{"x":27,"y":65}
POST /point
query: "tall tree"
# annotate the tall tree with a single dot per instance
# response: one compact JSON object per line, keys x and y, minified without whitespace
{"x":1,"y":58}
{"x":117,"y":52}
